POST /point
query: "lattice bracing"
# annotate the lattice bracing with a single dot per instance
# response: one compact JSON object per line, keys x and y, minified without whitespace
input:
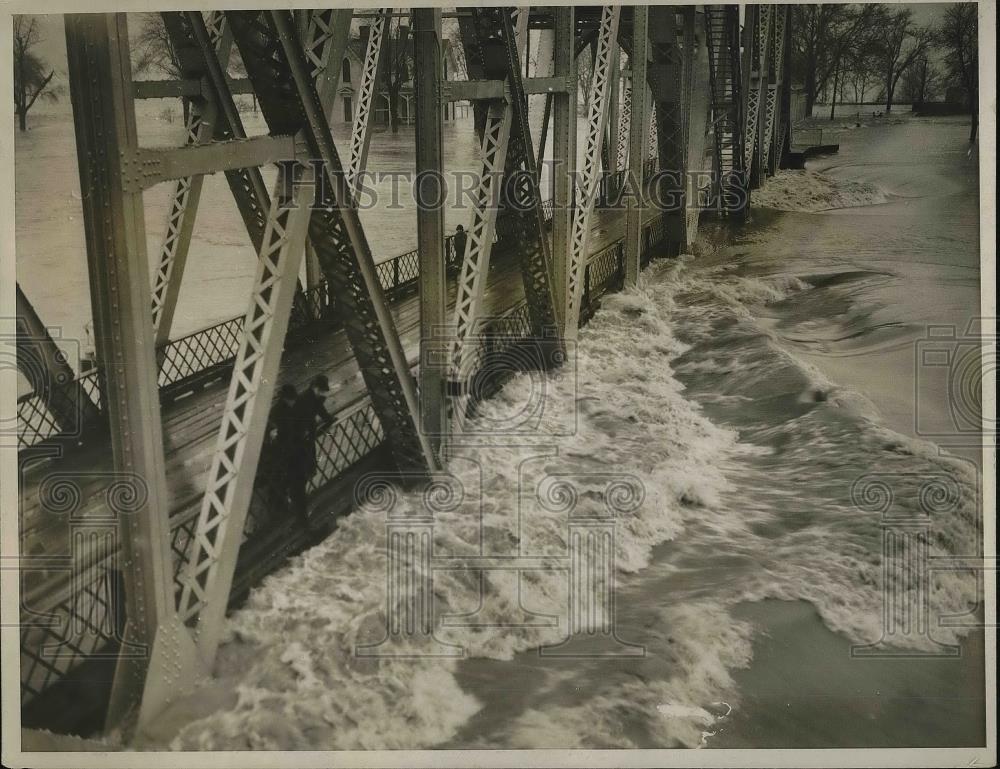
{"x":361,"y":126}
{"x":623,"y":125}
{"x":586,"y":194}
{"x":183,"y":207}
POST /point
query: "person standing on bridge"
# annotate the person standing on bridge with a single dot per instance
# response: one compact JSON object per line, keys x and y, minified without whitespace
{"x":278,"y":446}
{"x":309,"y":415}
{"x":458,"y":242}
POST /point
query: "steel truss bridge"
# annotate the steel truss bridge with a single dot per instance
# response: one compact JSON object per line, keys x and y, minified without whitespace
{"x":141,"y":518}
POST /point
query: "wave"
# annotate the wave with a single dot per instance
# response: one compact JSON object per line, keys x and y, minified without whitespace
{"x":809,"y":191}
{"x":303,"y":685}
{"x":747,"y":457}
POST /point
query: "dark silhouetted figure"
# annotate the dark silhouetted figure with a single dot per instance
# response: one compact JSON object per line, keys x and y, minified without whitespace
{"x":277,"y":445}
{"x":458,"y":242}
{"x":309,"y":414}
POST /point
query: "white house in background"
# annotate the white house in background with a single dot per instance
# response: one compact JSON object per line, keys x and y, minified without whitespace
{"x":352,"y":68}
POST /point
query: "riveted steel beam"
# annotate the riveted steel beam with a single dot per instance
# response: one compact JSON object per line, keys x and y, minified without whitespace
{"x":638,"y":134}
{"x":361,"y":128}
{"x":158,"y":657}
{"x":602,"y":81}
{"x":564,"y":108}
{"x":172,"y":89}
{"x":665,"y":80}
{"x":431,"y":196}
{"x":202,"y":49}
{"x":207,"y":578}
{"x":466,"y":344}
{"x":148,"y":167}
{"x":529,"y":238}
{"x":726,"y":83}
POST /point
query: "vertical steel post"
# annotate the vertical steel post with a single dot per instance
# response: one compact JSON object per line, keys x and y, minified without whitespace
{"x":699,"y":100}
{"x":430,"y":223}
{"x":158,"y":655}
{"x":611,"y":142}
{"x":638,"y":133}
{"x":563,"y":154}
{"x":665,"y":79}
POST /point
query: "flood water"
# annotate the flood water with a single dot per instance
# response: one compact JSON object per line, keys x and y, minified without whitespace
{"x":766,"y":398}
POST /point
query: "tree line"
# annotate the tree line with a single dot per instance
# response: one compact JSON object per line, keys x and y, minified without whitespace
{"x":839,"y":51}
{"x":849,"y":52}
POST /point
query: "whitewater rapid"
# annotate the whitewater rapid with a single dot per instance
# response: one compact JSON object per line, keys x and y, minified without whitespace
{"x":752,"y":503}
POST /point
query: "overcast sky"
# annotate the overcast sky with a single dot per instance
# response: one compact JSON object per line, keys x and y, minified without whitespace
{"x":53,"y":45}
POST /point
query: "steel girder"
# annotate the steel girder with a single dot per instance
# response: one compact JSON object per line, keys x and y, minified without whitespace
{"x":757,"y":29}
{"x":201,"y":50}
{"x":466,"y":344}
{"x":157,"y":657}
{"x":290,"y":102}
{"x":265,"y":42}
{"x":782,"y":16}
{"x":723,"y":38}
{"x":771,"y":103}
{"x":201,"y":128}
{"x":529,"y":241}
{"x":624,"y":120}
{"x":544,"y":68}
{"x":361,"y":129}
{"x":697,"y":107}
{"x":432,"y":280}
{"x":597,"y":116}
{"x":665,"y":71}
{"x":564,"y":111}
{"x":638,"y":137}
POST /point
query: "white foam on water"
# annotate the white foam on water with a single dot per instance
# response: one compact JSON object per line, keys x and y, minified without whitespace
{"x":304,"y":686}
{"x":760,"y":513}
{"x":810,"y":191}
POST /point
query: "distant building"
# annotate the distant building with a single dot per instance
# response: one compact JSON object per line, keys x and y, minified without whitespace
{"x":352,"y":69}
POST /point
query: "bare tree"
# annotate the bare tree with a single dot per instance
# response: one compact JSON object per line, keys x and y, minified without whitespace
{"x":920,"y":81}
{"x":584,"y":71}
{"x":959,"y":38}
{"x":153,"y":53}
{"x":151,"y":49}
{"x":30,"y":79}
{"x":821,"y":37}
{"x":899,"y":44}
